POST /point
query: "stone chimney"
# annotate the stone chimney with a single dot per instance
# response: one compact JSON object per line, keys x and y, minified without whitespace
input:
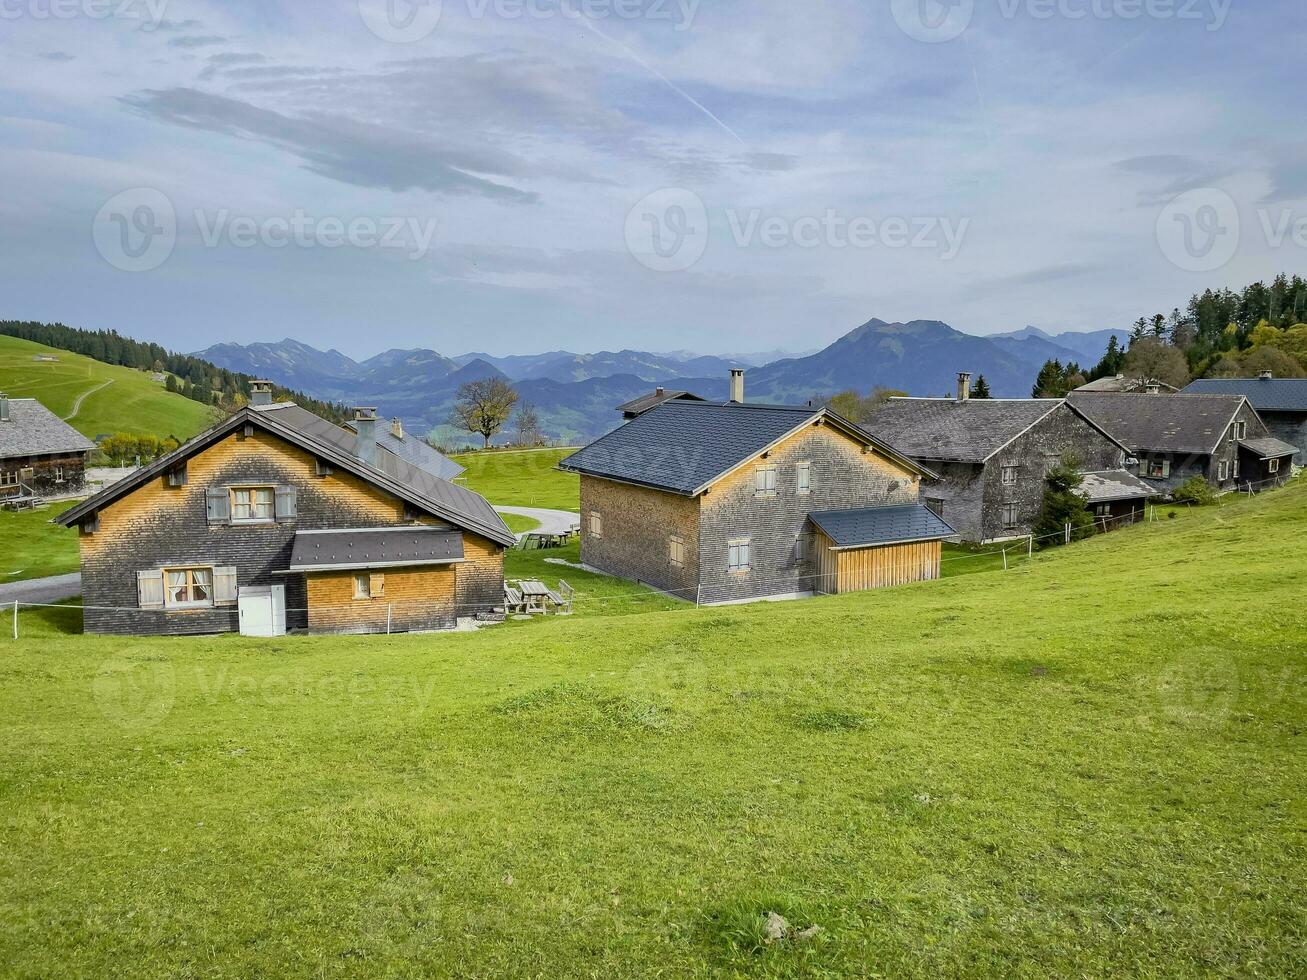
{"x":660,"y":391}
{"x":397,"y":428}
{"x":737,"y":385}
{"x":1265,"y":376}
{"x":260,"y":393}
{"x":4,"y":407}
{"x":365,"y":435}
{"x":964,"y":386}
{"x":1152,"y":388}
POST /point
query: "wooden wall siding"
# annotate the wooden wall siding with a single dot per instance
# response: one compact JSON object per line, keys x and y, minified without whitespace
{"x":1186,"y":467}
{"x":158,"y":525}
{"x":42,"y":479}
{"x":637,"y":523}
{"x":843,"y":477}
{"x":879,"y":568}
{"x":415,"y":599}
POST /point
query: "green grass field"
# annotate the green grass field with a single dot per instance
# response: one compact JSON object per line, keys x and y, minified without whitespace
{"x":522,"y":479}
{"x":131,"y":403}
{"x":32,"y":547}
{"x":1089,"y":765}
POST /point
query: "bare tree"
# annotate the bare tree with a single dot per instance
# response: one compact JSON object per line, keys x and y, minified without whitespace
{"x":483,"y":407}
{"x":528,"y":425}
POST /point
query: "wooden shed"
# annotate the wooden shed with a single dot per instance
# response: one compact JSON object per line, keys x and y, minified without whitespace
{"x":877,"y":547}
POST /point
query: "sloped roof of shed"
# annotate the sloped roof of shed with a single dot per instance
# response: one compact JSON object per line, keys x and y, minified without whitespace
{"x":34,"y":430}
{"x":870,"y":526}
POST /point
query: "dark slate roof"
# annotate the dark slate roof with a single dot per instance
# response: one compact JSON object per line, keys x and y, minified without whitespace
{"x":374,"y":548}
{"x":416,"y":451}
{"x":1269,"y":448}
{"x":33,"y":429}
{"x":638,"y":406}
{"x":685,"y":446}
{"x":968,"y":431}
{"x":881,"y":525}
{"x":1159,"y":423}
{"x":1105,"y":486}
{"x":335,"y":445}
{"x":1122,"y":383}
{"x":1265,"y":394}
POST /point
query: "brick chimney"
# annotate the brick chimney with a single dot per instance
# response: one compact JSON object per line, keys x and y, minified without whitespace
{"x":737,"y":385}
{"x":1264,"y":376}
{"x":964,"y":386}
{"x":4,"y":407}
{"x":365,"y":435}
{"x":397,"y":428}
{"x":260,"y":393}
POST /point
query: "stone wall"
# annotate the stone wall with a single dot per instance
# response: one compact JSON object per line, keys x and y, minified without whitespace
{"x":637,"y":525}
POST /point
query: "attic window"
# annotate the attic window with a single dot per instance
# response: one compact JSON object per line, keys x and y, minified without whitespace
{"x":177,"y":477}
{"x":322,"y":468}
{"x":766,"y":481}
{"x":1010,"y":475}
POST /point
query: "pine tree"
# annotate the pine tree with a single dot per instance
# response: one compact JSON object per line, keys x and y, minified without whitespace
{"x":1051,"y":381}
{"x":981,"y":388}
{"x":1064,"y":504}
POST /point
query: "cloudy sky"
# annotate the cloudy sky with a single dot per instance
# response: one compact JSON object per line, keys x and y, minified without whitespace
{"x":720,"y":175}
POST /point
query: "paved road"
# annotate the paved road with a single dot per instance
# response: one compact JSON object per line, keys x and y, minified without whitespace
{"x":50,"y":589}
{"x":551,"y":521}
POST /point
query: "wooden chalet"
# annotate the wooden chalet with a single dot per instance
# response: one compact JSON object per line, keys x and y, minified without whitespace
{"x":725,"y":502}
{"x":41,"y":456}
{"x":277,"y":519}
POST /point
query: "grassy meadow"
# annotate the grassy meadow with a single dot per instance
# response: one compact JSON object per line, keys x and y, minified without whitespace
{"x":522,"y":478}
{"x":130,"y":402}
{"x":32,"y":547}
{"x":1089,"y":765}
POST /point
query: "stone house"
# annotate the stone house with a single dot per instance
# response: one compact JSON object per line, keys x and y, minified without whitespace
{"x":1219,"y":438}
{"x":276,"y":519}
{"x":41,"y":456}
{"x":991,"y":455}
{"x":723,"y":502}
{"x":1280,"y":402}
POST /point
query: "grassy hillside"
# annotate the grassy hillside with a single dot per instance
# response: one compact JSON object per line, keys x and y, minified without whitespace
{"x":522,"y":479}
{"x":1092,"y":765}
{"x":117,"y":399}
{"x":33,"y":547}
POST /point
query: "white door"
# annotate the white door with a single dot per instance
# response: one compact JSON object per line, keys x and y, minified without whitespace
{"x":255,"y":604}
{"x":278,"y":610}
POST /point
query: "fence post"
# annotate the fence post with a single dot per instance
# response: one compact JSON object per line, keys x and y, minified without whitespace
{"x":1068,"y":532}
{"x":388,"y":608}
{"x":15,"y":619}
{"x":1005,"y":559}
{"x":1030,"y":545}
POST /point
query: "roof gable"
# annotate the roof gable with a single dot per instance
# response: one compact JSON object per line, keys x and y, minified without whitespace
{"x":1193,"y":424}
{"x":1264,"y":394}
{"x":316,"y":435}
{"x":34,"y":430}
{"x":686,"y":446}
{"x":969,"y":431}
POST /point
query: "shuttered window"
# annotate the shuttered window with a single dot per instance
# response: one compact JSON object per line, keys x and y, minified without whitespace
{"x":737,"y":556}
{"x":177,"y":477}
{"x":369,"y":585}
{"x":1010,"y":475}
{"x":286,"y":503}
{"x":676,"y":550}
{"x":1009,"y":515}
{"x":149,"y":589}
{"x":218,"y":502}
{"x":596,"y":524}
{"x":224,"y":585}
{"x":766,"y":480}
{"x":253,"y":504}
{"x":804,"y":477}
{"x":188,"y":587}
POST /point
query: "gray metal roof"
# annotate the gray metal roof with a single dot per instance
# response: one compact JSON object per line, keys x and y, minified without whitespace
{"x":374,"y":548}
{"x":685,"y":446}
{"x":1264,"y":394}
{"x":1106,"y":486}
{"x":416,"y":451}
{"x":335,"y":445}
{"x":882,"y":525}
{"x":968,"y":431}
{"x":638,"y":406}
{"x":34,"y":430}
{"x":1158,"y":423}
{"x":1269,"y":448}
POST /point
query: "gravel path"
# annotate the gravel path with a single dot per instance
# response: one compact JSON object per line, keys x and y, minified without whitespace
{"x":50,"y":589}
{"x":551,"y":521}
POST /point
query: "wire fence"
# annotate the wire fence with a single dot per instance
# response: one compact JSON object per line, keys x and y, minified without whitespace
{"x":392,"y":616}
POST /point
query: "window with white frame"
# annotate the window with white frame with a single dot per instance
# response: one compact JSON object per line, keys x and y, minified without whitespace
{"x":676,"y":551}
{"x":1159,"y":469}
{"x":1272,"y":466}
{"x":1010,"y":475}
{"x":8,"y":478}
{"x":185,"y":587}
{"x":369,"y":585}
{"x":596,"y":524}
{"x":1234,"y":471}
{"x":804,"y":477}
{"x":1009,"y":515}
{"x":253,"y":504}
{"x":765,"y":477}
{"x":1240,"y":430}
{"x":737,"y":555}
{"x":58,"y":474}
{"x":1223,"y":471}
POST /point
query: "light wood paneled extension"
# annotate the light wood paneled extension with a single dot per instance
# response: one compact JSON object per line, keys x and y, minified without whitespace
{"x":878,"y":567}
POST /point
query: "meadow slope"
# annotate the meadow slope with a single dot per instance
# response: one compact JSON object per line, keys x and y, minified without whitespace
{"x":1090,"y":765}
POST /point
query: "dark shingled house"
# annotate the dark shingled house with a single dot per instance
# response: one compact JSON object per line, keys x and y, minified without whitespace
{"x":991,"y":455}
{"x":277,"y":519}
{"x":720,"y":502}
{"x":1117,"y":498}
{"x":41,"y":455}
{"x":1281,"y":403}
{"x":1217,"y":437}
{"x":638,"y":406}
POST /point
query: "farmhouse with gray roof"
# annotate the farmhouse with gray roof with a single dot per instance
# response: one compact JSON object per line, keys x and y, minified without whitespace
{"x":41,"y":456}
{"x":728,"y":501}
{"x":638,"y":406}
{"x":1281,"y":403}
{"x":991,"y":455}
{"x":277,"y":519}
{"x":413,"y":449}
{"x":1219,"y":438}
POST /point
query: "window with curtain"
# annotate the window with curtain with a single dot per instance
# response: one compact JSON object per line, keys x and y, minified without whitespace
{"x":189,"y":586}
{"x":253,"y":503}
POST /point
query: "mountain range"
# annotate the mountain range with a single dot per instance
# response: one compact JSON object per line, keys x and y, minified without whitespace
{"x":576,"y":394}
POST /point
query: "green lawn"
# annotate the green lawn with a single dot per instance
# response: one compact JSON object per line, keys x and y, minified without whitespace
{"x":32,"y":547}
{"x":132,"y":402}
{"x":518,"y":523}
{"x":1090,"y":765}
{"x":522,"y":479}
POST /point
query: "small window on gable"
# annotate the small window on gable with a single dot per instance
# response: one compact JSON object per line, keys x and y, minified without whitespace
{"x":766,"y":480}
{"x":737,"y":556}
{"x":676,"y":551}
{"x":322,"y":468}
{"x":177,"y":476}
{"x":253,"y":504}
{"x":804,"y":477}
{"x":1010,"y":475}
{"x":596,"y":524}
